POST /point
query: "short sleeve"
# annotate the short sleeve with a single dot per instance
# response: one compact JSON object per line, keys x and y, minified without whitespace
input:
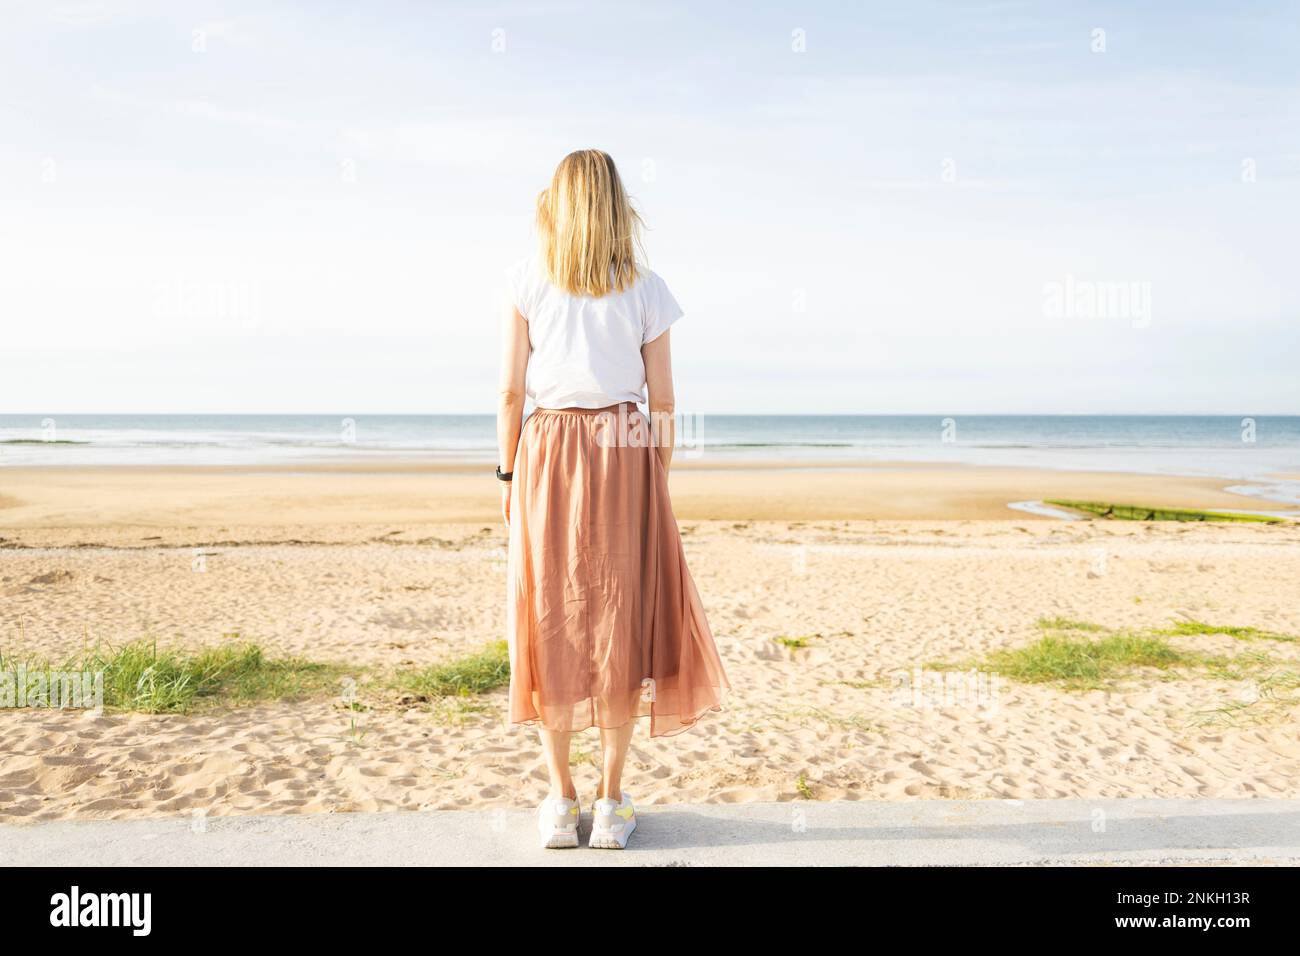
{"x":518,"y":286}
{"x":661,"y":309}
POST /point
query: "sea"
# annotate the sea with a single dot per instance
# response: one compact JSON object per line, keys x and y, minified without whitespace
{"x":1261,"y":451}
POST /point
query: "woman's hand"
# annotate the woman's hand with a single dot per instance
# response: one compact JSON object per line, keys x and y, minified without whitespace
{"x":505,"y":502}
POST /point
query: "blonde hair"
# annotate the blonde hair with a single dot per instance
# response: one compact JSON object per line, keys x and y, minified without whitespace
{"x":590,"y":234}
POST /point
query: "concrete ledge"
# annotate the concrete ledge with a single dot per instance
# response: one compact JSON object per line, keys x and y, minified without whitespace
{"x":799,"y":833}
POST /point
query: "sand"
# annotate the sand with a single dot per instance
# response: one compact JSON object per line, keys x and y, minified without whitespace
{"x":407,"y":568}
{"x":107,"y":503}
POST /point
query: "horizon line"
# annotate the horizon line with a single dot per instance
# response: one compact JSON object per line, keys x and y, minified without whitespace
{"x":747,"y":414}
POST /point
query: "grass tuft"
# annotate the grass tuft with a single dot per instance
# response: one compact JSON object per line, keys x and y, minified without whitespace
{"x":1070,"y":656}
{"x":1272,"y":694}
{"x":801,"y":785}
{"x":1106,"y":509}
{"x":794,"y":643}
{"x":1187,"y":628}
{"x":1082,"y":663}
{"x":474,"y":674}
{"x":1066,"y":624}
{"x":141,"y":677}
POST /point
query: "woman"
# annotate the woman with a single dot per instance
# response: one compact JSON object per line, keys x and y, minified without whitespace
{"x":604,"y":622}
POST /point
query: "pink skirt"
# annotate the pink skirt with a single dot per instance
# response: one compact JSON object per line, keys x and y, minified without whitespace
{"x":604,"y":622}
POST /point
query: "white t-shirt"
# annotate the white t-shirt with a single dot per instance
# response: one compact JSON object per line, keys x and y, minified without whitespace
{"x":587,"y":351}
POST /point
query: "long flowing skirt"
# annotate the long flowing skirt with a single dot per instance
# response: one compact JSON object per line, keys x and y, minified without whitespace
{"x":605,"y":624}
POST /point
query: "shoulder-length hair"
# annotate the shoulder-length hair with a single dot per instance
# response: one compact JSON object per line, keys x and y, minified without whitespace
{"x":590,"y":234}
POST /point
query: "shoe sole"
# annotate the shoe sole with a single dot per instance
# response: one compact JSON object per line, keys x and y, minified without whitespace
{"x":560,"y":840}
{"x":611,"y":841}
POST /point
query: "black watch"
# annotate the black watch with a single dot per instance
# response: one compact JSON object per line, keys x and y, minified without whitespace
{"x":504,"y":475}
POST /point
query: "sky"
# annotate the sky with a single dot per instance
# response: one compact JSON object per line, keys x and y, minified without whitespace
{"x":877,"y":208}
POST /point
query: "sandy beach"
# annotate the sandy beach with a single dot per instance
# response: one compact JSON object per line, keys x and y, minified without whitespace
{"x":339,"y":499}
{"x":827,"y":588}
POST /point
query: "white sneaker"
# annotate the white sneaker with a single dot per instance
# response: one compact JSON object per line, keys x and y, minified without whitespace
{"x":557,"y":823}
{"x":611,"y":823}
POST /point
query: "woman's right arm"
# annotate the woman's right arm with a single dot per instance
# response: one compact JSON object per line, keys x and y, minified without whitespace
{"x":510,"y":395}
{"x":658,"y":359}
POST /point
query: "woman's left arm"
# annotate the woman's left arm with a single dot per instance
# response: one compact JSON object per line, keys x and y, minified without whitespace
{"x":510,"y":396}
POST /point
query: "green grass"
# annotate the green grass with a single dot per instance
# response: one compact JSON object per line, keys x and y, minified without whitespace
{"x":1083,"y":663}
{"x":456,"y":711}
{"x":794,"y":643}
{"x":1238,"y":667}
{"x":1274,"y":695}
{"x":1185,"y":628}
{"x":805,"y":640}
{"x":801,"y":785}
{"x":580,"y":757}
{"x":1081,"y":655}
{"x":1146,"y":513}
{"x":1067,"y":624}
{"x":141,"y":677}
{"x":474,"y":674}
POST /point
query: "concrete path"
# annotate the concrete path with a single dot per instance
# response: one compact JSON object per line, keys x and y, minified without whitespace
{"x":922,"y":832}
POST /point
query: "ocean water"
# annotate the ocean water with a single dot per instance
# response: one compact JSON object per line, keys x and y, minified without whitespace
{"x":1248,"y":449}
